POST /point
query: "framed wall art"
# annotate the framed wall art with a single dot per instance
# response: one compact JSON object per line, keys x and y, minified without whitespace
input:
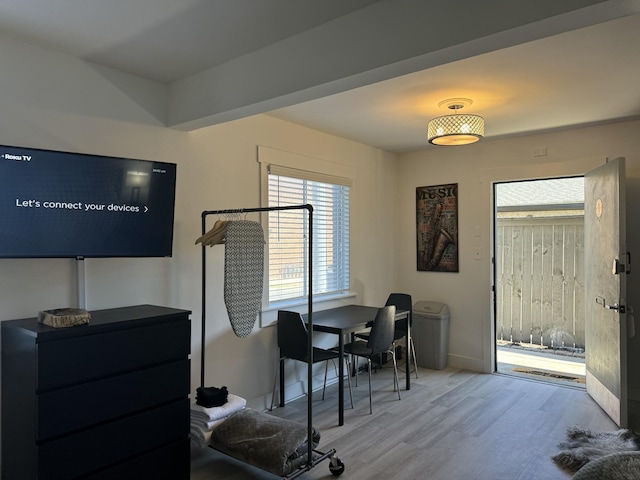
{"x":437,"y":228}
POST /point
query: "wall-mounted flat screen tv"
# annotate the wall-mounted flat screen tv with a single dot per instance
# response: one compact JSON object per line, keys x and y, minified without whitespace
{"x":59,"y":204}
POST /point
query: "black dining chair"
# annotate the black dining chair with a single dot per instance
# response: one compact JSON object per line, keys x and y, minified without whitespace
{"x":292,"y":343}
{"x":402,"y":301}
{"x":380,"y":341}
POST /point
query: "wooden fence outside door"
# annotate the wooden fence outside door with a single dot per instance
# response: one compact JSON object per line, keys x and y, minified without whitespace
{"x":540,"y":281}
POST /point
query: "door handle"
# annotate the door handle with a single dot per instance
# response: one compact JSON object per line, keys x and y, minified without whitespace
{"x":617,"y":308}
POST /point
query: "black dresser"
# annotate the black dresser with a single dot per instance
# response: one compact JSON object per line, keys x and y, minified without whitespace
{"x":106,"y":400}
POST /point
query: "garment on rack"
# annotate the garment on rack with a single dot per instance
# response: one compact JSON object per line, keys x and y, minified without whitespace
{"x":243,"y":274}
{"x":215,"y":236}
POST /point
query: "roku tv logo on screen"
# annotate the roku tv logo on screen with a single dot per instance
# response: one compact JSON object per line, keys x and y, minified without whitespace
{"x":17,"y":158}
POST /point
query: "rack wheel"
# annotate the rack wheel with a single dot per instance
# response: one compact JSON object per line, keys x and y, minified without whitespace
{"x":336,"y":466}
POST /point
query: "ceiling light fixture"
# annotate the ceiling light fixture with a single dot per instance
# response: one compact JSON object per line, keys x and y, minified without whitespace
{"x":458,"y":128}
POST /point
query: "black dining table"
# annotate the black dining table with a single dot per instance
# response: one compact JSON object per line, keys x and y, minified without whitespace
{"x":347,"y":320}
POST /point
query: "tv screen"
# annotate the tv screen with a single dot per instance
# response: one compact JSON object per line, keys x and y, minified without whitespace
{"x":58,"y":204}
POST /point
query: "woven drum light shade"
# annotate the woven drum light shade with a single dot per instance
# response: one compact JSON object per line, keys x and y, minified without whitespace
{"x":457,"y":129}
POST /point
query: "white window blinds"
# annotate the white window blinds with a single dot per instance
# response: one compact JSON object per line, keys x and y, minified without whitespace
{"x":288,"y":234}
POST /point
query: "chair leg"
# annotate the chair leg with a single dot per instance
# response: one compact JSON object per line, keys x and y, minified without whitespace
{"x":370,"y":403}
{"x":349,"y":379}
{"x":395,"y":372}
{"x":393,"y":350}
{"x":324,"y":385}
{"x":275,"y":379}
{"x":413,"y":354}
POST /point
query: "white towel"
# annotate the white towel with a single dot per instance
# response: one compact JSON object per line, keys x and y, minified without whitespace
{"x":203,"y":424}
{"x":234,"y":404}
{"x":200,"y":430}
{"x":199,"y":437}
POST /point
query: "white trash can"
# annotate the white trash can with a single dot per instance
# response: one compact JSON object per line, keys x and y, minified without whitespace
{"x":430,"y":332}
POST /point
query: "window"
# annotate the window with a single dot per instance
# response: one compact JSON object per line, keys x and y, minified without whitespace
{"x":288,"y":234}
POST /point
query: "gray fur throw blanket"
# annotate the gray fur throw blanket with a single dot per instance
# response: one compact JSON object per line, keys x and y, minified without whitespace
{"x":583,"y":446}
{"x":617,"y":466}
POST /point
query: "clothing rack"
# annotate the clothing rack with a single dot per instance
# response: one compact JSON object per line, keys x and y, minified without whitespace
{"x":336,"y":464}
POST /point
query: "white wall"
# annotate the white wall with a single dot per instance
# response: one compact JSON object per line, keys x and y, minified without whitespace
{"x":475,"y":167}
{"x":56,"y":102}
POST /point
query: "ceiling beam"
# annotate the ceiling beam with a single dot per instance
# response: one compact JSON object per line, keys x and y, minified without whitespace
{"x":376,"y":43}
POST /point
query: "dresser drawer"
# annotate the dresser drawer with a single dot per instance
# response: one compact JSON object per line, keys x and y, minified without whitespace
{"x":171,"y":462}
{"x":103,"y":446}
{"x":80,"y":359}
{"x":74,"y":408}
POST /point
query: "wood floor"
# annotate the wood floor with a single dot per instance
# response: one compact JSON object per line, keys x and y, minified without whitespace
{"x":451,"y":425}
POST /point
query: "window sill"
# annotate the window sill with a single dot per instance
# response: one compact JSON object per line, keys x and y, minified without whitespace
{"x":268,"y":316}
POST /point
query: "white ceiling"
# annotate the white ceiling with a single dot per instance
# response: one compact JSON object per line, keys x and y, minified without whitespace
{"x":578,"y":68}
{"x":586,"y":76}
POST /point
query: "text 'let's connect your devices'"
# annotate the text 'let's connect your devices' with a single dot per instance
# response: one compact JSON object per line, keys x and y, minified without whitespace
{"x":87,"y":207}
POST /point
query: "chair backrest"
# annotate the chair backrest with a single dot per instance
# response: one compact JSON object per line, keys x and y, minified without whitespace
{"x":292,"y":335}
{"x":381,"y":335}
{"x":402,"y":301}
